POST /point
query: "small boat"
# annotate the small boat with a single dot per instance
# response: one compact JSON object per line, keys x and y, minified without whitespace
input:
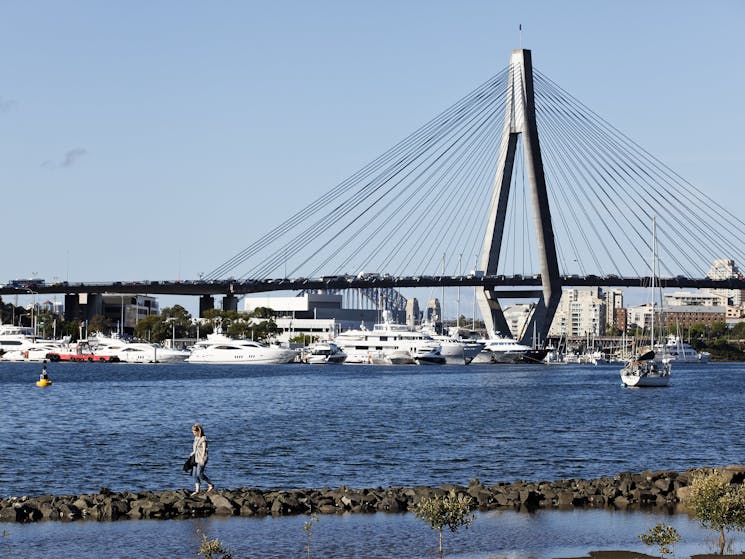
{"x":646,"y":372}
{"x":400,"y":357}
{"x":433,"y":357}
{"x":43,"y":382}
{"x":324,"y":352}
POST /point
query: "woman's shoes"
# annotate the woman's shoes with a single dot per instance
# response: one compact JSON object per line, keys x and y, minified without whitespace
{"x":194,"y":494}
{"x":210,"y":488}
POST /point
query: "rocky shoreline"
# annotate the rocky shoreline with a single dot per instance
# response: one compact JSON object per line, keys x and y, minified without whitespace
{"x":659,"y":489}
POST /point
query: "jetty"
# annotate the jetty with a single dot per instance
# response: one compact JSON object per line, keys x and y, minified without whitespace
{"x":625,"y":491}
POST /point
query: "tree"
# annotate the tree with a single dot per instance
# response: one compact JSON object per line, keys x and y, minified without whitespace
{"x":151,"y":328}
{"x":718,"y":329}
{"x":98,"y":323}
{"x":663,"y":536}
{"x":262,"y":312}
{"x":449,"y":510}
{"x":718,"y":504}
{"x":738,"y":330}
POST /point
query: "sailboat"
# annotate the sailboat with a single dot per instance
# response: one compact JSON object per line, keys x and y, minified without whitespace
{"x":648,"y":369}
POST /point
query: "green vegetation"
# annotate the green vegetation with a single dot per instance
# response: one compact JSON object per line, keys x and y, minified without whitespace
{"x":214,"y":549}
{"x":308,"y":529}
{"x":718,"y":504}
{"x":663,"y":536}
{"x":449,"y":510}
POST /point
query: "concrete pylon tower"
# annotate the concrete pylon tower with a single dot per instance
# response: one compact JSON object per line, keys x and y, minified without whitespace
{"x":520,"y":119}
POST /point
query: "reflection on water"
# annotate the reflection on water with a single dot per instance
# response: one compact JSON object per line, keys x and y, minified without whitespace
{"x":509,"y":535}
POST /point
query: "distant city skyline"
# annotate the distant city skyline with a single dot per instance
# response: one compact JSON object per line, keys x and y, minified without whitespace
{"x":150,"y":143}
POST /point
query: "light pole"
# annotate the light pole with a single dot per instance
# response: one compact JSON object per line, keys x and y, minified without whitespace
{"x":196,"y":324}
{"x":33,"y":308}
{"x":121,"y":322}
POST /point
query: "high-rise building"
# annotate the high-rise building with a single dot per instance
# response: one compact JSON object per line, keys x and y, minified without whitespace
{"x":581,"y":312}
{"x":722,"y":269}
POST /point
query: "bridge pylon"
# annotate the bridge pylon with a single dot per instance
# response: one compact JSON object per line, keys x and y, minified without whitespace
{"x":520,"y":119}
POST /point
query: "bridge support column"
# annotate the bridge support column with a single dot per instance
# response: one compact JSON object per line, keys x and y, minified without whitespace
{"x":206,"y":302}
{"x":230,"y":303}
{"x":520,"y":120}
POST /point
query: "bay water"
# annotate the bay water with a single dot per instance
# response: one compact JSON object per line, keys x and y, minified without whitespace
{"x":127,"y":427}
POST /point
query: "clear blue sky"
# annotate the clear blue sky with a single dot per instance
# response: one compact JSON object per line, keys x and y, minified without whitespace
{"x":154,"y":139}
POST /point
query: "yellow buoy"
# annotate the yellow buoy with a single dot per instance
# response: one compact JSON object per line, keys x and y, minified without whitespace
{"x":44,"y":382}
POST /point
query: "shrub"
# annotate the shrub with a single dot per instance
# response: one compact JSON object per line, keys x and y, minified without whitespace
{"x":718,"y":504}
{"x":449,"y":510}
{"x":663,"y":536}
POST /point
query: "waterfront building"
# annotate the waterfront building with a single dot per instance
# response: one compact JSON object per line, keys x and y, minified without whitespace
{"x":613,"y":303}
{"x":582,"y":312}
{"x":682,"y":316}
{"x":722,"y":269}
{"x":122,"y":311}
{"x":318,"y":315}
{"x":517,"y":317}
{"x":692,"y":298}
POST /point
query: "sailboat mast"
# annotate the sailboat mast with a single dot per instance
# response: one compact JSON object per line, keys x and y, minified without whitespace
{"x":654,"y":273}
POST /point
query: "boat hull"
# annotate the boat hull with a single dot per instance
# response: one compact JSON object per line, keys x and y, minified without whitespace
{"x":646,"y":373}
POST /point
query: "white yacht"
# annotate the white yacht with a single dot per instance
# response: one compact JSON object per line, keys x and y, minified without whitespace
{"x":135,"y":352}
{"x":646,"y":370}
{"x":324,"y":352}
{"x":15,"y":337}
{"x":676,"y":349}
{"x":385,"y":343}
{"x":218,"y":348}
{"x":19,"y":343}
{"x":455,"y":350}
{"x":500,"y":349}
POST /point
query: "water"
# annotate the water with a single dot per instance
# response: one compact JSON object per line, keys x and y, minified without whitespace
{"x":127,"y":427}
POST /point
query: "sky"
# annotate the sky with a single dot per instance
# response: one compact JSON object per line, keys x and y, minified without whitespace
{"x":154,"y":139}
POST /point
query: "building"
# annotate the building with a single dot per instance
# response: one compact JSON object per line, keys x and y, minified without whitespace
{"x":517,"y":317}
{"x":581,"y":312}
{"x":692,"y":298}
{"x":318,"y":315}
{"x":319,"y":306}
{"x":722,"y":269}
{"x":613,"y":303}
{"x":682,"y":316}
{"x":122,"y":311}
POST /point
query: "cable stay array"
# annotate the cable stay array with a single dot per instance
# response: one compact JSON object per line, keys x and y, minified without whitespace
{"x":421,"y":208}
{"x":605,"y":189}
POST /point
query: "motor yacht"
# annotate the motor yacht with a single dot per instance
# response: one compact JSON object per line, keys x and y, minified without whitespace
{"x":19,"y":343}
{"x":675,"y":349}
{"x":135,"y":352}
{"x":385,"y":341}
{"x":218,"y":348}
{"x":455,"y":350}
{"x":324,"y":352}
{"x":501,"y":349}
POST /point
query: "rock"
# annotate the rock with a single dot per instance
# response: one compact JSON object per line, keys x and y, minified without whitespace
{"x":223,"y":505}
{"x":9,"y":514}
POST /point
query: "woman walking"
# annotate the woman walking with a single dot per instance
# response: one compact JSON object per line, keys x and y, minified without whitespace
{"x":200,"y":458}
